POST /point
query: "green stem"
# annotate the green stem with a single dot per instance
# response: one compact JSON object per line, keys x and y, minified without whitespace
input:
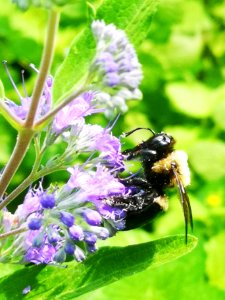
{"x":44,"y":68}
{"x":26,"y":134}
{"x":27,"y":182}
{"x":21,"y":147}
{"x":13,"y":232}
{"x":47,"y":118}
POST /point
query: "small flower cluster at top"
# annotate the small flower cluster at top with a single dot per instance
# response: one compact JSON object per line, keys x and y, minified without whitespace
{"x":116,"y":66}
{"x":68,"y":221}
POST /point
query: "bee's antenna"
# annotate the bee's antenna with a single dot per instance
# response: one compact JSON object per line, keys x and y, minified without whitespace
{"x":139,"y":128}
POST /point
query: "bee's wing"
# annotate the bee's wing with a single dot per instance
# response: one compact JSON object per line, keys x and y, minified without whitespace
{"x":184,"y":199}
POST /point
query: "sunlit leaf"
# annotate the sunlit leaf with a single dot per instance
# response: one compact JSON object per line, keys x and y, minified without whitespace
{"x":215,"y":263}
{"x":208,"y":166}
{"x":108,"y":265}
{"x":192,"y":98}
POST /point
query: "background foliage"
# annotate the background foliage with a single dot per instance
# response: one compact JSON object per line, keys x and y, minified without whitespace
{"x":184,"y":94}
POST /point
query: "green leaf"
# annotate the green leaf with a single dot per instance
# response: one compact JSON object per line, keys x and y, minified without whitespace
{"x":200,"y":155}
{"x":108,"y":265}
{"x":191,"y":98}
{"x":2,"y":91}
{"x":183,"y":279}
{"x":218,"y":115}
{"x":132,"y":16}
{"x":215,"y":263}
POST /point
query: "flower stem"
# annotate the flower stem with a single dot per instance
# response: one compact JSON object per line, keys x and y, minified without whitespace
{"x":13,"y":232}
{"x":21,"y":147}
{"x":27,"y":182}
{"x":26,"y":134}
{"x":47,"y":118}
{"x":44,"y":68}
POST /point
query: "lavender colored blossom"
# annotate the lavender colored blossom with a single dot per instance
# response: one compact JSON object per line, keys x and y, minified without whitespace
{"x":92,"y":248}
{"x":35,"y":224}
{"x":30,"y":205}
{"x":69,"y":248}
{"x":56,"y":224}
{"x":74,"y":112}
{"x":47,"y":201}
{"x":101,"y":232}
{"x":67,"y":218}
{"x":44,"y":254}
{"x":97,"y":185}
{"x":26,"y":290}
{"x":117,"y":65}
{"x":79,"y":254}
{"x":48,"y":241}
{"x":92,"y":217}
{"x":45,"y":102}
{"x":76,"y":233}
{"x":90,"y":238}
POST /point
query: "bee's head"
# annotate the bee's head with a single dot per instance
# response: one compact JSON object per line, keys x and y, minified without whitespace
{"x":161,"y":141}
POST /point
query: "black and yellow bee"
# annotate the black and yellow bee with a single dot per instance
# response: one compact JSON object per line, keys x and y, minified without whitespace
{"x":163,"y":167}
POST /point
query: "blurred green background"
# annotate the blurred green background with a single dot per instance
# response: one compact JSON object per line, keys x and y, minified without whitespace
{"x":183,"y":60}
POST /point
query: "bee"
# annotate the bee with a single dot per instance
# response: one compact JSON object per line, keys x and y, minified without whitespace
{"x":163,"y":167}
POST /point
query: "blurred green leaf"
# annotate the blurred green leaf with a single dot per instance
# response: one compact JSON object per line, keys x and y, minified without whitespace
{"x":191,"y":98}
{"x":133,"y":17}
{"x":109,"y":264}
{"x":2,"y":91}
{"x":215,"y":263}
{"x":208,"y":159}
{"x":219,"y":115}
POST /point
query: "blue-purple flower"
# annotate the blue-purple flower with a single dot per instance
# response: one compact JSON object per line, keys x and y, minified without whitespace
{"x":116,"y":66}
{"x":22,"y":109}
{"x":75,"y":111}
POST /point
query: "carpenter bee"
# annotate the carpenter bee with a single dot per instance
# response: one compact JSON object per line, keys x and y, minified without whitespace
{"x":163,"y":167}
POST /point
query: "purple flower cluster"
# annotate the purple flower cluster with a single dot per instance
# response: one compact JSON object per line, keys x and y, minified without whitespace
{"x":118,"y":71}
{"x":71,"y":224}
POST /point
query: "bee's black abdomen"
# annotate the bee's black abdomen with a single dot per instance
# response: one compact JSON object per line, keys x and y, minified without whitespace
{"x":140,"y":208}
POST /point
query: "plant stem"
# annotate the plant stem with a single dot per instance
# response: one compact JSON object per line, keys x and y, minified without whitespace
{"x":22,"y":144}
{"x":13,"y":232}
{"x":44,"y":68}
{"x":26,"y":134}
{"x":31,"y":178}
{"x":47,"y":118}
